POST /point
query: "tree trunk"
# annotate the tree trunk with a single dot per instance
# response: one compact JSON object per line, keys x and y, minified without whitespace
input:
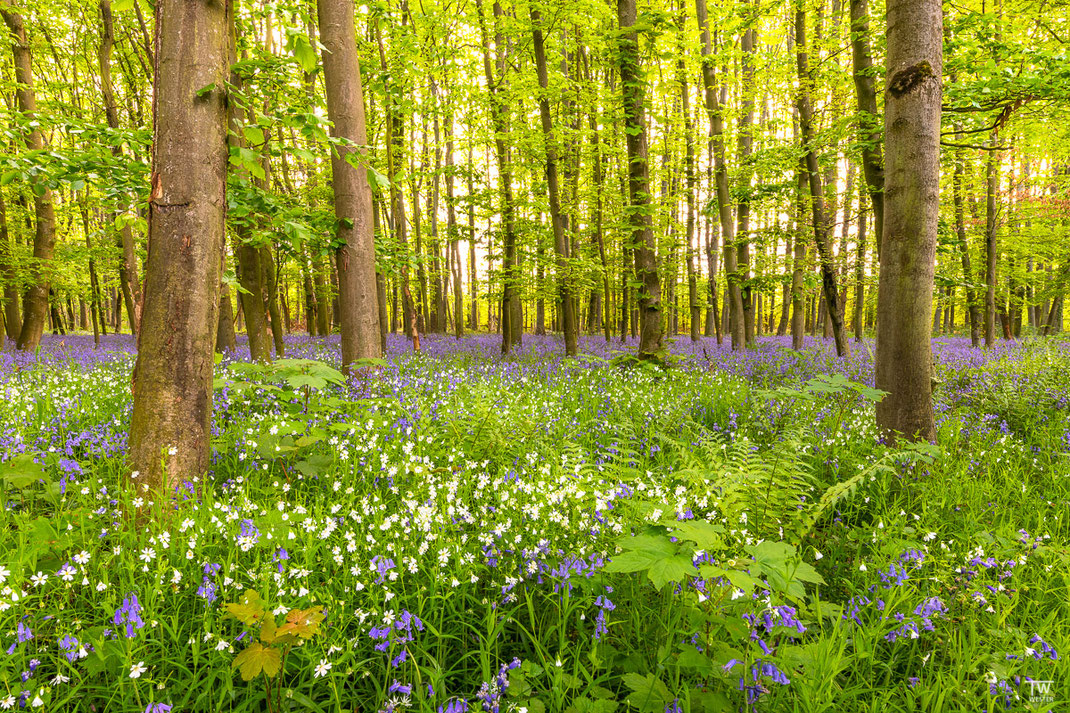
{"x":869,"y":125}
{"x":170,"y":427}
{"x":745,"y":142}
{"x":128,"y":279}
{"x":271,"y":298}
{"x":637,"y":212}
{"x":35,"y":302}
{"x":511,"y":313}
{"x":903,"y":364}
{"x":734,"y":303}
{"x":817,"y":198}
{"x":991,"y":227}
{"x":694,"y":308}
{"x":355,"y":256}
{"x":12,"y":319}
{"x":972,"y":306}
{"x":557,"y":218}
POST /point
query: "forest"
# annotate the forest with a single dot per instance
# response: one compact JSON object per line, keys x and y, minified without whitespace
{"x":531,"y":356}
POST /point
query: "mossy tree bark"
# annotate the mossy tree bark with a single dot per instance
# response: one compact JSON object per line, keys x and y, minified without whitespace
{"x":913,"y":94}
{"x":170,"y":427}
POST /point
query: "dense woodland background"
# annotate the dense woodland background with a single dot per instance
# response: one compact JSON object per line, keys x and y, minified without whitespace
{"x":465,"y":103}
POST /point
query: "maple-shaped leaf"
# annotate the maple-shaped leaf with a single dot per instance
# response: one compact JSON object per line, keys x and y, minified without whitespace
{"x":304,"y":623}
{"x":249,"y":609}
{"x":256,"y":658}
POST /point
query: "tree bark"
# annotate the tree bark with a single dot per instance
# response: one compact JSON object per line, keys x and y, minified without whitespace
{"x":12,"y":319}
{"x":637,"y":212}
{"x":557,"y":218}
{"x":734,"y":303}
{"x":913,"y":94}
{"x":170,"y":426}
{"x":355,"y":256}
{"x":128,"y":278}
{"x":972,"y":305}
{"x":869,"y":125}
{"x":511,"y":313}
{"x":817,"y":198}
{"x":35,"y":306}
{"x":991,"y":232}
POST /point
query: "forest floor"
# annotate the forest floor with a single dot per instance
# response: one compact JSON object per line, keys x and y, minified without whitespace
{"x":456,"y":531}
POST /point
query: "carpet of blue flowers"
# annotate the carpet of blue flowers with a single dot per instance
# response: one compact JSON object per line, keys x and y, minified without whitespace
{"x":450,"y":532}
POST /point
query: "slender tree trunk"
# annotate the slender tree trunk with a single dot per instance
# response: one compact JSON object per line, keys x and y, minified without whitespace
{"x":271,"y":297}
{"x":991,"y":254}
{"x":128,"y":279}
{"x":355,"y":256}
{"x":511,"y":313}
{"x":637,"y":212}
{"x":225,"y":339}
{"x":170,"y":427}
{"x":734,"y":303}
{"x":798,"y":275}
{"x":35,"y":301}
{"x":694,"y":308}
{"x":869,"y":123}
{"x":972,"y":299}
{"x":12,"y":319}
{"x":745,"y":142}
{"x":817,"y":198}
{"x":557,"y":218}
{"x":903,"y":364}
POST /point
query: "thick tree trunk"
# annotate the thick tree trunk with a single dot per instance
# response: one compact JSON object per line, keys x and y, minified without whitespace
{"x":817,"y":198}
{"x":170,"y":427}
{"x":903,"y":365}
{"x":355,"y":256}
{"x":557,"y":217}
{"x":637,"y":212}
{"x":35,"y":301}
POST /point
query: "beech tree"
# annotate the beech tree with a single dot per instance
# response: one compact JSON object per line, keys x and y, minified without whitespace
{"x":912,"y":99}
{"x":169,"y":429}
{"x":355,"y":254}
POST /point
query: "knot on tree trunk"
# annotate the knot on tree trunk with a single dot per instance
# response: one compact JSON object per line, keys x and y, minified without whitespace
{"x":907,"y":80}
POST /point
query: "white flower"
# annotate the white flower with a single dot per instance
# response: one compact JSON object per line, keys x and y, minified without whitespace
{"x":7,"y":703}
{"x":4,"y":573}
{"x":862,"y":567}
{"x":82,"y":557}
{"x":929,"y":537}
{"x":137,"y":669}
{"x":39,"y":579}
{"x":817,"y":555}
{"x":172,"y":451}
{"x":37,"y":701}
{"x":323,"y":668}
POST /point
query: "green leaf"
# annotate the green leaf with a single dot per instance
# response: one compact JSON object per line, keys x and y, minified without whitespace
{"x":649,"y":694}
{"x":8,"y":176}
{"x":257,"y":659}
{"x":671,"y":569}
{"x":303,"y":52}
{"x":253,"y":134}
{"x":122,"y":5}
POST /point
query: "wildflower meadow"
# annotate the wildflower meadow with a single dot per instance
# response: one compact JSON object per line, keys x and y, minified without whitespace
{"x":452,"y":531}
